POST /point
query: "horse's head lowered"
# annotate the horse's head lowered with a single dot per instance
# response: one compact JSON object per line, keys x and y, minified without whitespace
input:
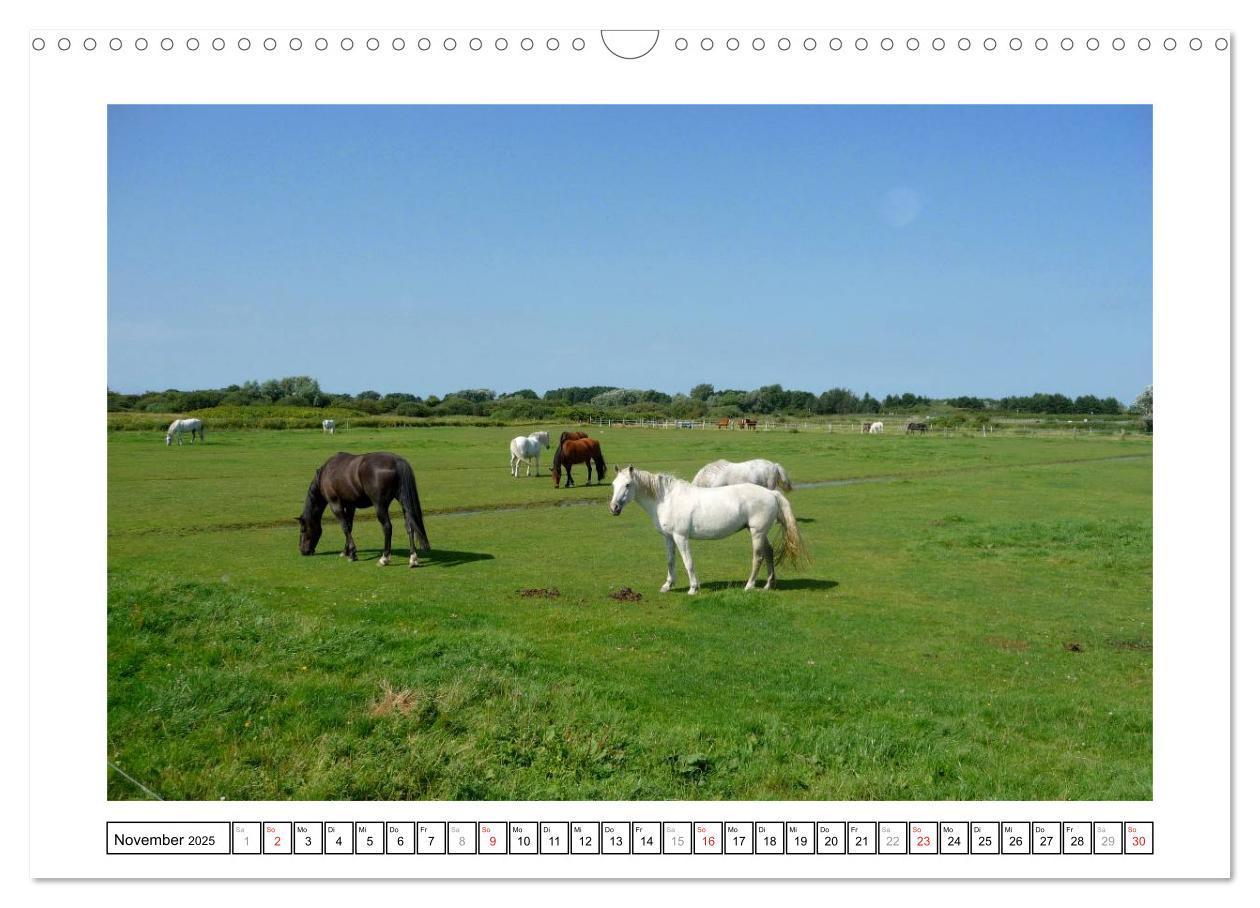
{"x":622,"y":489}
{"x":308,"y":538}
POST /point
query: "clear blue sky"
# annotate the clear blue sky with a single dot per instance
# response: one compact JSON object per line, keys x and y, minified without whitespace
{"x":943,"y":250}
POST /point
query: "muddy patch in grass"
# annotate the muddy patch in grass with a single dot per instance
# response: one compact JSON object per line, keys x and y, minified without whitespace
{"x":625,"y":594}
{"x":393,"y":702}
{"x":539,"y":593}
{"x":1008,"y":643}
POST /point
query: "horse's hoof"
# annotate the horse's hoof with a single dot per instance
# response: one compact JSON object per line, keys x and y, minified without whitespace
{"x":692,"y":591}
{"x":414,"y":561}
{"x":749,"y":586}
{"x":383,"y":561}
{"x":665,"y":587}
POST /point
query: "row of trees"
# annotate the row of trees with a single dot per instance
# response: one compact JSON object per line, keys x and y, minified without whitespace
{"x":702,"y":400}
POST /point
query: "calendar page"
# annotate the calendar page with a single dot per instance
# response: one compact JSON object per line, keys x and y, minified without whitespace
{"x":620,"y":449}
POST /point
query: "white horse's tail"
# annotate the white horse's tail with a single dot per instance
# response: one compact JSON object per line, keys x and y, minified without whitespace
{"x":784,"y":483}
{"x":792,"y":546}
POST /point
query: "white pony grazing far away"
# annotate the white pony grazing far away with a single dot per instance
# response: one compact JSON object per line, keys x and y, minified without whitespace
{"x":525,"y":449}
{"x":330,"y":426}
{"x":681,"y":512}
{"x":193,"y":427}
{"x":876,"y":428}
{"x":765,"y":473}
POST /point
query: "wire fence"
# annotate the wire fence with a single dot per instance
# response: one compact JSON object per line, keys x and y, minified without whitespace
{"x":888,"y":426}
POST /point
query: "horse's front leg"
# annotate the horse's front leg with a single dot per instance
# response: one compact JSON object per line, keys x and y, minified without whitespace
{"x":345,"y":516}
{"x":588,"y":472}
{"x":382,"y":514}
{"x":669,"y":563}
{"x":684,"y":548}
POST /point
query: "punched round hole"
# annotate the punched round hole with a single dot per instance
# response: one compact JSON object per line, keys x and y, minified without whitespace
{"x":295,"y":44}
{"x":347,"y":44}
{"x":1196,"y":44}
{"x":912,"y":43}
{"x":1066,"y":44}
{"x":424,"y":44}
{"x":449,"y":44}
{"x":115,"y":44}
{"x":1144,"y":43}
{"x":553,"y":44}
{"x":938,"y":44}
{"x":90,"y":44}
{"x":1016,"y":44}
{"x":964,"y":44}
{"x":860,"y":44}
{"x":38,"y":44}
{"x":192,"y":44}
{"x":886,"y":44}
{"x":527,"y":44}
{"x":398,"y":44}
{"x":835,"y":44}
{"x":500,"y":44}
{"x":1092,"y":44}
{"x":579,"y":43}
{"x":474,"y":44}
{"x":321,"y":44}
{"x":1170,"y":44}
{"x":732,"y":44}
{"x":680,"y":44}
{"x":167,"y":44}
{"x":269,"y":44}
{"x":759,"y":44}
{"x":1117,"y":44}
{"x":809,"y":44}
{"x":784,"y":44}
{"x":243,"y":44}
{"x":990,"y":44}
{"x":64,"y":43}
{"x":706,"y":44}
{"x":1221,"y":44}
{"x":1041,"y":44}
{"x":141,"y":44}
{"x":373,"y":44}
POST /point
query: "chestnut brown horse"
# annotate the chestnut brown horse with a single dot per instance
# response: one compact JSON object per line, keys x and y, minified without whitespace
{"x":349,"y":481}
{"x":577,"y":450}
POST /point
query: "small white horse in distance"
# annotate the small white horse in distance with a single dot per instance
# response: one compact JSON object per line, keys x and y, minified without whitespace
{"x":877,"y":428}
{"x":525,"y":449}
{"x":194,"y":427}
{"x":330,"y":426}
{"x":681,"y":512}
{"x":764,"y":473}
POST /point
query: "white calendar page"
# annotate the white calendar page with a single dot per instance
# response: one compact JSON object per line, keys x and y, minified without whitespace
{"x":1181,"y":73}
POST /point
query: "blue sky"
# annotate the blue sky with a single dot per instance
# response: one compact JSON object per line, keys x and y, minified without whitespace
{"x":985,"y":250}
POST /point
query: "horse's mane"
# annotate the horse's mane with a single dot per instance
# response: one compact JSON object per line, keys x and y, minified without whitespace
{"x":656,"y":484}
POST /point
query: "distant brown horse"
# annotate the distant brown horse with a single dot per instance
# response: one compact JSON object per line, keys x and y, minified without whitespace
{"x":724,"y":422}
{"x":349,"y":481}
{"x":866,"y":427}
{"x":577,"y":450}
{"x":920,"y":427}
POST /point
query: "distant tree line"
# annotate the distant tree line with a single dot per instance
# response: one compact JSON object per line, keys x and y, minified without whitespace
{"x":603,"y":400}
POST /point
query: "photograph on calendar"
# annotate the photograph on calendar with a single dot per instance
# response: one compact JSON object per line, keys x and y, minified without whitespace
{"x":610,"y":453}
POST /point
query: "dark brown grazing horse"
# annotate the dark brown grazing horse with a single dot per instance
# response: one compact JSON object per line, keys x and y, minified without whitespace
{"x":577,"y":450}
{"x":920,"y":427}
{"x":349,"y":481}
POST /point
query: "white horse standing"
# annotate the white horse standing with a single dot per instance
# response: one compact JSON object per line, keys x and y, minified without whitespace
{"x":681,"y":512}
{"x":194,"y":427}
{"x":525,"y":449}
{"x":330,"y":426}
{"x":877,"y":428}
{"x":764,"y":473}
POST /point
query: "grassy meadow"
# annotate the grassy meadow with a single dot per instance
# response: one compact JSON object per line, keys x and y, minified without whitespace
{"x":975,"y":624}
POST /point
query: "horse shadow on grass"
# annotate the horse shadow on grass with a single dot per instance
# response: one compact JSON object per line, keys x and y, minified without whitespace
{"x":798,"y":583}
{"x":446,"y":558}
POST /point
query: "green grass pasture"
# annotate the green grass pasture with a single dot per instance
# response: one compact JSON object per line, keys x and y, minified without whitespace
{"x":975,"y":624}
